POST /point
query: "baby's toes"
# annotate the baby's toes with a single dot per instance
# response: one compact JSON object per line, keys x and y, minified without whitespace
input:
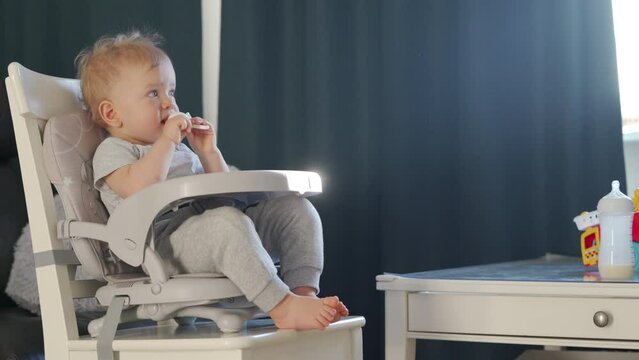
{"x":328,"y":314}
{"x":336,"y":318}
{"x":342,"y":309}
{"x":323,"y":320}
{"x":332,"y":301}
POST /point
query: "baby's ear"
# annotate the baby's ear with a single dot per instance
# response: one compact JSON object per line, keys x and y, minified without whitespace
{"x":108,"y":113}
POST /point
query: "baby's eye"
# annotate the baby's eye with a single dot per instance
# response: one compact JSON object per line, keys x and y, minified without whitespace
{"x":172,"y":93}
{"x":153,"y":93}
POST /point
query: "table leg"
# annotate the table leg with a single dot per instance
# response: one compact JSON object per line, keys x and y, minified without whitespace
{"x":398,"y":345}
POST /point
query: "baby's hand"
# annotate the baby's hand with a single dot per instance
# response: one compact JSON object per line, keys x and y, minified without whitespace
{"x":176,"y":127}
{"x":202,"y":137}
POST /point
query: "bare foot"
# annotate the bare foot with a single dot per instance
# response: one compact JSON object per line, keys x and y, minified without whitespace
{"x":304,"y":312}
{"x":342,"y":310}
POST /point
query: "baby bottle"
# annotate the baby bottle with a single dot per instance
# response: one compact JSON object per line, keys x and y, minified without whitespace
{"x":616,"y":253}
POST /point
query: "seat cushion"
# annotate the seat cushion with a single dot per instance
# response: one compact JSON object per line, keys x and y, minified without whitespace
{"x":69,"y":141}
{"x":68,"y":146}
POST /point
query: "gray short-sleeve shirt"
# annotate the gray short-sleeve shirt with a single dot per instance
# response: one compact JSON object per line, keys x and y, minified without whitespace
{"x":114,"y":153}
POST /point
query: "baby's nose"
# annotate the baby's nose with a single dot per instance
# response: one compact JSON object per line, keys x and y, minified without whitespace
{"x":167,"y":104}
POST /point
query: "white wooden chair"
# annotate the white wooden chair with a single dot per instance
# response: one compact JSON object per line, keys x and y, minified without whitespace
{"x":37,"y":100}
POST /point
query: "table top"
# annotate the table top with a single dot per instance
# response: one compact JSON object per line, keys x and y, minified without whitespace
{"x":548,"y":268}
{"x":551,"y":271}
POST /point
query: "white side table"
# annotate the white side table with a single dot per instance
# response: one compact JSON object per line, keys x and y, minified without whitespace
{"x":553,"y":301}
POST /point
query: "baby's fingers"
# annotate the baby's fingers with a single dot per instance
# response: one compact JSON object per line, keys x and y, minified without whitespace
{"x":185,"y":125}
{"x":201,"y":124}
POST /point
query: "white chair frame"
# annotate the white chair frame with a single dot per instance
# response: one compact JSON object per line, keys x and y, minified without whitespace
{"x":57,"y":287}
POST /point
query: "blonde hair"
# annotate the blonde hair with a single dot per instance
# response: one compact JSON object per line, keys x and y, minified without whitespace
{"x":99,"y":64}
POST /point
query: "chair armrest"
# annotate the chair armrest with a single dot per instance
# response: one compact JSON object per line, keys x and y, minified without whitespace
{"x":129,"y":224}
{"x":71,"y":228}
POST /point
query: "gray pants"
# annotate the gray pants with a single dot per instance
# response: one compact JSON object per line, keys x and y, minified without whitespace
{"x":243,"y":246}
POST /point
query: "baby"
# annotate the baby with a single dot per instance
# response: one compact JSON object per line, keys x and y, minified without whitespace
{"x":128,"y":84}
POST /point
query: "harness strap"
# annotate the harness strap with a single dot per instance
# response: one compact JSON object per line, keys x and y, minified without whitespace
{"x":55,"y":257}
{"x":109,"y":327}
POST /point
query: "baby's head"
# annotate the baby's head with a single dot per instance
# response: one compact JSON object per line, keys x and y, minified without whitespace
{"x":128,"y":84}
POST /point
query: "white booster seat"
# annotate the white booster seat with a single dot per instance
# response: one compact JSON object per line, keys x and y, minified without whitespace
{"x":56,"y":142}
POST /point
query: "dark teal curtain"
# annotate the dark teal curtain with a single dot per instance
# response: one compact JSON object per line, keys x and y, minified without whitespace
{"x":447,"y":133}
{"x":47,"y":35}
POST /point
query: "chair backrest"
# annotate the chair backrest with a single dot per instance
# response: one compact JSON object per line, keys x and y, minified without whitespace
{"x":69,"y":142}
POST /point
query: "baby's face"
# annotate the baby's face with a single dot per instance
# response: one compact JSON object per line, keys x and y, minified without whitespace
{"x":144,"y":97}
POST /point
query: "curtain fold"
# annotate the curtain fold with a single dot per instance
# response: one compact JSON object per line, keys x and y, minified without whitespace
{"x":447,"y":133}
